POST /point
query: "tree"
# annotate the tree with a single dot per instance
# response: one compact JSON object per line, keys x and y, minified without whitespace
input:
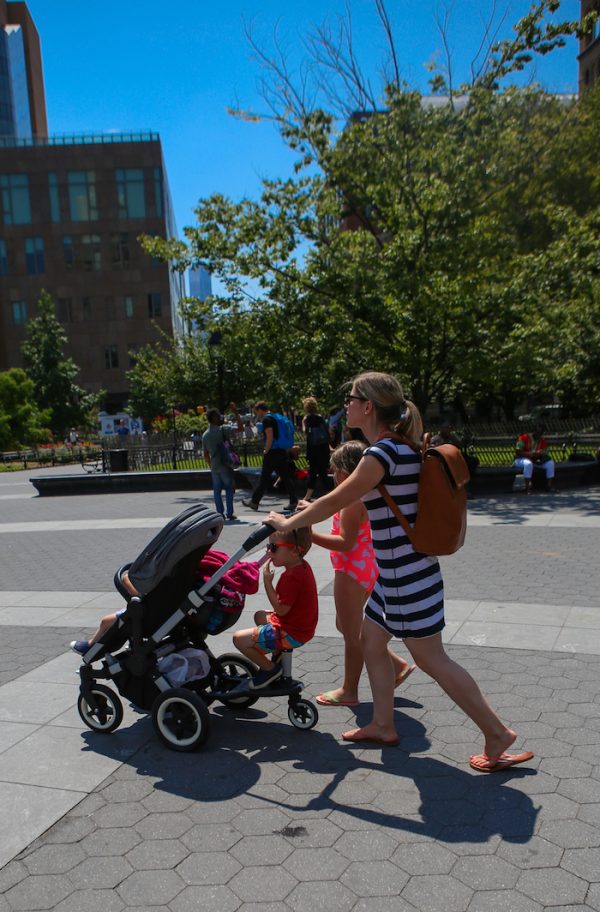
{"x":52,"y":374}
{"x":406,"y":239}
{"x":21,"y":422}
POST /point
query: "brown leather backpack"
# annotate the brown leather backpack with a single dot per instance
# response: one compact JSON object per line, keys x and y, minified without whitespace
{"x":441,"y":522}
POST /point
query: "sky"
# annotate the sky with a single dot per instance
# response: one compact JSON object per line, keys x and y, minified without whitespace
{"x":144,"y":64}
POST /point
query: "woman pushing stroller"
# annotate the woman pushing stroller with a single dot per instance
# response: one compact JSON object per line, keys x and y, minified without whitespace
{"x":408,"y":598}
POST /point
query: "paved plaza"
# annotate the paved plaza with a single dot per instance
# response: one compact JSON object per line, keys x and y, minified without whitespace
{"x":268,"y":817}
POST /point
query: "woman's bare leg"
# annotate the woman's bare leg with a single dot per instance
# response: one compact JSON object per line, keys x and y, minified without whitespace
{"x":431,"y":657}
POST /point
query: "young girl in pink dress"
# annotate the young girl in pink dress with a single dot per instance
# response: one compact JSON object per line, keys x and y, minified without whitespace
{"x":356,"y":572}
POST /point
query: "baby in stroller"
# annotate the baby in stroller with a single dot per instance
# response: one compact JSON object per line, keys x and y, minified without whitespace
{"x":179,"y":591}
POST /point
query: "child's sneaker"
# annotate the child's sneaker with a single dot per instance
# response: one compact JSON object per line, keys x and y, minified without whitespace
{"x":79,"y":646}
{"x":264,"y":677}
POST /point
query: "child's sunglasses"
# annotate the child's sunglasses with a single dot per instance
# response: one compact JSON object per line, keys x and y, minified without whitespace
{"x":273,"y":546}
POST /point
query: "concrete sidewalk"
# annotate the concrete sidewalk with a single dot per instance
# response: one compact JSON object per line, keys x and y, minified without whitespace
{"x":118,"y":821}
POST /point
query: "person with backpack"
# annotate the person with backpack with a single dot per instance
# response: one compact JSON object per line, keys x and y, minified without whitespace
{"x":278,"y":437}
{"x":221,"y":457}
{"x":317,"y":447}
{"x":408,"y":598}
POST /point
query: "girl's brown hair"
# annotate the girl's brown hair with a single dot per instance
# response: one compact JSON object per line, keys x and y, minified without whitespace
{"x":310,"y":405}
{"x":346,"y":457}
{"x":399,"y":414}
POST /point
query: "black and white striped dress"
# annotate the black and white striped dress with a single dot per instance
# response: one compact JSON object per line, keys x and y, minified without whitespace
{"x":408,"y":598}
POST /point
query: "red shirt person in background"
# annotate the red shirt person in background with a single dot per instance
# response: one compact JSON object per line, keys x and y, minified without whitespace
{"x":530,"y":450}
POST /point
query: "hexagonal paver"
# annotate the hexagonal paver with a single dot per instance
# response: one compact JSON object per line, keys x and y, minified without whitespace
{"x":259,"y":885}
{"x":418,"y":857}
{"x":110,"y":842}
{"x":208,"y":868}
{"x":69,"y":830}
{"x":570,"y":834}
{"x":321,"y":897}
{"x":156,"y":853}
{"x":437,"y":893}
{"x":501,"y":901}
{"x":162,"y":802}
{"x":316,"y":864}
{"x":164,"y":826}
{"x":151,"y":888}
{"x":565,"y":767}
{"x":53,"y":859}
{"x":127,"y":790}
{"x":91,"y":901}
{"x":100,"y":873}
{"x":215,"y":898}
{"x":374,"y":878}
{"x":487,"y":872}
{"x":366,"y":845}
{"x":535,"y":853}
{"x":260,"y":822}
{"x":214,"y":837}
{"x":310,"y":833}
{"x":552,"y":886}
{"x":268,"y":850}
{"x":35,"y":893}
{"x":119,"y":814}
{"x":583,"y":862}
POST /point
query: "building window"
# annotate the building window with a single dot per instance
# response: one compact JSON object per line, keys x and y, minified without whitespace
{"x":92,"y":259}
{"x":154,"y":305}
{"x":86,"y":308}
{"x":53,"y":193}
{"x":158,"y":191}
{"x":68,"y":252}
{"x":3,"y":259}
{"x":15,"y":199}
{"x":64,"y":310}
{"x":132,"y":354}
{"x":34,"y":255}
{"x":130,"y":192}
{"x":120,"y":250}
{"x":111,"y":356}
{"x":82,"y":196}
{"x":19,"y":313}
{"x":128,"y":302}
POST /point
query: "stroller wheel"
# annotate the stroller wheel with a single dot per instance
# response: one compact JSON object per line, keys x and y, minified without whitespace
{"x":234,"y":668}
{"x":181,"y":719}
{"x":109,"y":713}
{"x":303,"y":714}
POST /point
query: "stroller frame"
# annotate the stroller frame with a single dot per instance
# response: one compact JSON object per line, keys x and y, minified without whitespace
{"x":180,"y":714}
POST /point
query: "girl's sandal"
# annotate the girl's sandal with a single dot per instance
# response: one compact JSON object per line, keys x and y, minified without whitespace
{"x":401,"y":678}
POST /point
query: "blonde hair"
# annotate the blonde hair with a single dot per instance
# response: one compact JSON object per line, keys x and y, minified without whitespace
{"x":346,"y":457}
{"x":310,"y":405}
{"x":385,"y":392}
{"x":301,"y":538}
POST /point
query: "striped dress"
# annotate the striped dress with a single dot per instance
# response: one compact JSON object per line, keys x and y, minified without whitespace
{"x":408,"y":598}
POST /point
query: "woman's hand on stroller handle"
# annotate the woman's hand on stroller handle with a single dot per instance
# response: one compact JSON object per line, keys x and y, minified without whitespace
{"x":275,"y":522}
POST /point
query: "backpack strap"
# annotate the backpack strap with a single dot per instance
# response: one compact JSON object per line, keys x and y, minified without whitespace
{"x":396,"y":511}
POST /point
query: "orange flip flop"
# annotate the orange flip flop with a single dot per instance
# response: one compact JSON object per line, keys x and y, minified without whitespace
{"x":484,"y":764}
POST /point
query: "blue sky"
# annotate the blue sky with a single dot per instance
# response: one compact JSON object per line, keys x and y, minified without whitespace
{"x":176,"y":69}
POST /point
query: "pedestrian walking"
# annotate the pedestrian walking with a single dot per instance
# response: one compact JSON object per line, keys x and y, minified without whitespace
{"x":408,"y":599}
{"x":317,"y":447}
{"x":278,"y":439}
{"x":216,"y":454}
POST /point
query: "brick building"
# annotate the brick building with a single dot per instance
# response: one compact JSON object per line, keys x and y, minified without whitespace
{"x":71,"y":209}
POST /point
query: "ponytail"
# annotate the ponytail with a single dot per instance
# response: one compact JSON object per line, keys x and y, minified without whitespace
{"x":410,"y":424}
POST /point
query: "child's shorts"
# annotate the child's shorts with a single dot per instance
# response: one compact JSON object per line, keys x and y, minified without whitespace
{"x":268,"y":638}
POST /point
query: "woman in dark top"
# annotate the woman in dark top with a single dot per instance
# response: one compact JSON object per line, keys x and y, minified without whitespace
{"x":317,"y":446}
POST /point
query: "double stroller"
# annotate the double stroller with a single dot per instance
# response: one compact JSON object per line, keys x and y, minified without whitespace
{"x":171,"y":619}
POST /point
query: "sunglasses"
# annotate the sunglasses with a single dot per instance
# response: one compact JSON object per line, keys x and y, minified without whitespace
{"x":349,"y":397}
{"x":273,"y":546}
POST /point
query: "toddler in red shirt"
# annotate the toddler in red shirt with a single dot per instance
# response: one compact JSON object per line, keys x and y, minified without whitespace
{"x":292,"y":620}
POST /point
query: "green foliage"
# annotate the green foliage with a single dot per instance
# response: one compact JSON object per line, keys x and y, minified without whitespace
{"x":184,"y":422}
{"x":53,"y":375}
{"x":452,"y":245}
{"x":21,"y":422}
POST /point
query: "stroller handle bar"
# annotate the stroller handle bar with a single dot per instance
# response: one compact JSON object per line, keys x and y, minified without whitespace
{"x":257,"y":537}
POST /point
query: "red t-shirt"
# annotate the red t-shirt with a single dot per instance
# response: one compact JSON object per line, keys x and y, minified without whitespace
{"x":297,"y":588}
